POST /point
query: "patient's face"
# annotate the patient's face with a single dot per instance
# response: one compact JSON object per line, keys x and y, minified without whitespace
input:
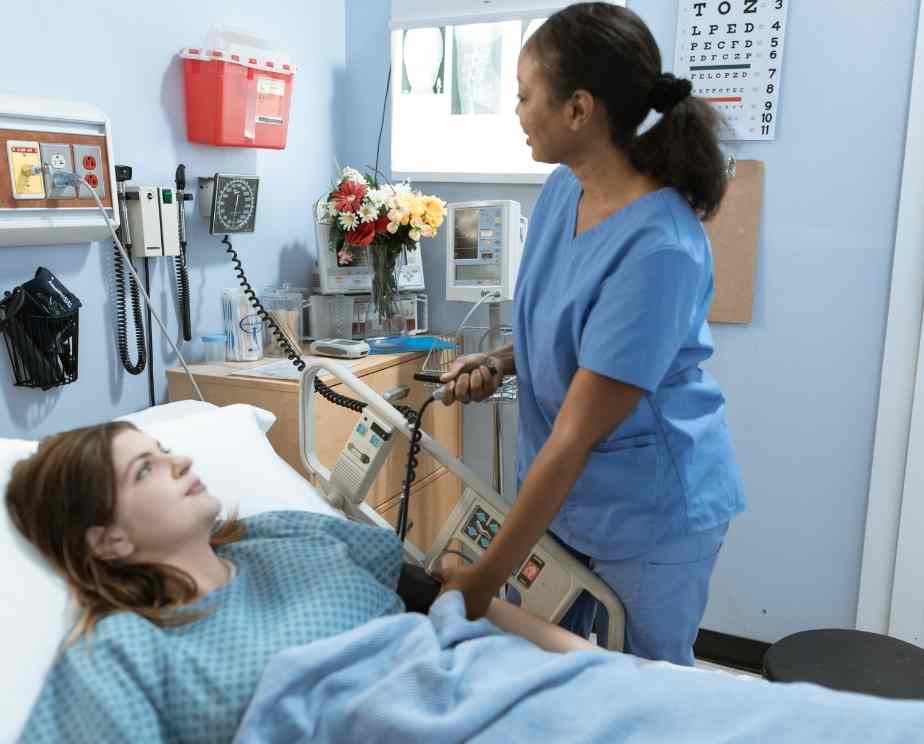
{"x":160,"y":503}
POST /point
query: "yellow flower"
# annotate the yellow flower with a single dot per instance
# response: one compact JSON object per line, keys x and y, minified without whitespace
{"x":436,"y":210}
{"x":417,"y":207}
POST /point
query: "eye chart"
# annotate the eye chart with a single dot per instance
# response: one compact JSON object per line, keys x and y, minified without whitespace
{"x":732,"y":52}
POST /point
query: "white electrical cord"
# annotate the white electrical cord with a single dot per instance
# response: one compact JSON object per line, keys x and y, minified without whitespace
{"x":492,"y":296}
{"x":74,"y":180}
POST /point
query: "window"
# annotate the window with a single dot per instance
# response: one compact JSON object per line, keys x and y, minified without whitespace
{"x":454,"y":91}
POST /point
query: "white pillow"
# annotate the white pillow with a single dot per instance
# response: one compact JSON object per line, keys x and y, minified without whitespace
{"x":182,"y":408}
{"x":235,"y":460}
{"x":167,"y":411}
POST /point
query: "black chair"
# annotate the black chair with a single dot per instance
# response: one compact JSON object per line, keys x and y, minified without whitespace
{"x":849,"y":660}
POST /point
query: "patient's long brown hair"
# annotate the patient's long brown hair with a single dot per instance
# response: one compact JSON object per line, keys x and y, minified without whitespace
{"x":68,"y":486}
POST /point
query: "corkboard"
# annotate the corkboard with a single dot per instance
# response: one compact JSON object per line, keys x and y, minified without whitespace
{"x":733,"y":234}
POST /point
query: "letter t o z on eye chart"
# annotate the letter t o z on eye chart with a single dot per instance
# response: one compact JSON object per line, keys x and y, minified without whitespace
{"x":732,"y":52}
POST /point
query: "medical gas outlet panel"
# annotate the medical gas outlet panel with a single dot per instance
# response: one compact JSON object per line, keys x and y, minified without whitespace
{"x":38,"y":139}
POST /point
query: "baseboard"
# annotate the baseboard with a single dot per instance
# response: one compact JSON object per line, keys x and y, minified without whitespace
{"x":731,"y":651}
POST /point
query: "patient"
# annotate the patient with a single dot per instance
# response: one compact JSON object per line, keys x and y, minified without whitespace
{"x":180,"y":611}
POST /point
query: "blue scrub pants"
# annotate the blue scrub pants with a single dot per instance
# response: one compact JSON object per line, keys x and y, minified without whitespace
{"x":664,"y":593}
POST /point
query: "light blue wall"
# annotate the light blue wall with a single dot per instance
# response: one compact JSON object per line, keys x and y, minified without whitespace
{"x":802,"y":380}
{"x":121,"y":57}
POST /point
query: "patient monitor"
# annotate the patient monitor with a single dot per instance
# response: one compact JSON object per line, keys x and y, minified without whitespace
{"x":334,"y":276}
{"x":549,"y":580}
{"x":484,"y":245}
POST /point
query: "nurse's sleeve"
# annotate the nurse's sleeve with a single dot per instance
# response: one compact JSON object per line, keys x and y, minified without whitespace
{"x":95,"y":696}
{"x":643,"y":314}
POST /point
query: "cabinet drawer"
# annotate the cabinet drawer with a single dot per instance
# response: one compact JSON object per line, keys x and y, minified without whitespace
{"x":431,"y":504}
{"x":442,"y":423}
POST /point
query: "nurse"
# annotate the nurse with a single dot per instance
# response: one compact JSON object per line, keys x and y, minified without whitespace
{"x":623,"y":449}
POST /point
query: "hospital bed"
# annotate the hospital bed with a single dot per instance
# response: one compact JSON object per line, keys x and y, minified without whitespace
{"x":34,"y":610}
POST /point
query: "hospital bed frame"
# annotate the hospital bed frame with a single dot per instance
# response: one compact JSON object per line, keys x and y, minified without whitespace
{"x":548,"y":581}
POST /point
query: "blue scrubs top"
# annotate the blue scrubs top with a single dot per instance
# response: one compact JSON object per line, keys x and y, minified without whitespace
{"x":626,"y":299}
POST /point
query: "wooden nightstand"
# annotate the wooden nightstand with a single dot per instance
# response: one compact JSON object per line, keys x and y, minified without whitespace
{"x":435,"y":489}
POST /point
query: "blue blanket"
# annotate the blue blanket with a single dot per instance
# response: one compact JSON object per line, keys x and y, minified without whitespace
{"x":409,"y":678}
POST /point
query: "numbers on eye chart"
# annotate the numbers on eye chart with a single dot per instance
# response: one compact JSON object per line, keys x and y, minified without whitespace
{"x":732,"y":52}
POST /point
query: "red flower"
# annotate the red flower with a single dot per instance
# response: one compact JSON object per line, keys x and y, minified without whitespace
{"x":362,"y":235}
{"x":381,"y":224}
{"x":348,"y":197}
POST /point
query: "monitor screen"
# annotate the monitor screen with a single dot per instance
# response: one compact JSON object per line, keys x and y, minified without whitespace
{"x":478,"y":243}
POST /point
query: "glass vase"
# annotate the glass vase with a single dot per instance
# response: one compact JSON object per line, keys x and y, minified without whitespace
{"x":385,"y":317}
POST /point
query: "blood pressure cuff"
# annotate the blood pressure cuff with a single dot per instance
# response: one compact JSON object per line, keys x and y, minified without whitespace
{"x":417,"y":588}
{"x":47,"y":297}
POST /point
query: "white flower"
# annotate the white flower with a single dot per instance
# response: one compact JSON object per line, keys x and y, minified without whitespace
{"x":393,"y":227}
{"x":348,"y":220}
{"x":402,"y":188}
{"x":378,"y":197}
{"x":368,"y":213}
{"x":414,"y":235}
{"x":322,"y":212}
{"x":351,"y":174}
{"x":428,"y":231}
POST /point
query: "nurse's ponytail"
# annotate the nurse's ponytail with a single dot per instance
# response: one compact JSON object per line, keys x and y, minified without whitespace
{"x":608,"y":51}
{"x":681,"y":149}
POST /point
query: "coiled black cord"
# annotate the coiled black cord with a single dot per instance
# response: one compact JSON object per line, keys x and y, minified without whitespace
{"x":409,"y":475}
{"x":293,"y":355}
{"x":122,"y":320}
{"x":182,"y":293}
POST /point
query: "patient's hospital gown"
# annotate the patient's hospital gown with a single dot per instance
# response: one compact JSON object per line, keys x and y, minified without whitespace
{"x":300,"y":577}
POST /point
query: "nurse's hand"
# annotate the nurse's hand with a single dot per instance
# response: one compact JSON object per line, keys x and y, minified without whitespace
{"x":472,"y":377}
{"x":475,"y":588}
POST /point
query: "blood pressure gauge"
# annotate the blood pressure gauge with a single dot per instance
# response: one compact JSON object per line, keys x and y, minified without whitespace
{"x":233,"y":201}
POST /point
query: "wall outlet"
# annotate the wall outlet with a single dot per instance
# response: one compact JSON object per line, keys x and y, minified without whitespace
{"x":88,"y":163}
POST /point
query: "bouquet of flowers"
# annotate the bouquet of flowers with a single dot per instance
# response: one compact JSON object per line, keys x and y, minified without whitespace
{"x":381,"y":219}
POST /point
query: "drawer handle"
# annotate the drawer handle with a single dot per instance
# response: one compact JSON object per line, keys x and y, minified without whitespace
{"x":397,"y":393}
